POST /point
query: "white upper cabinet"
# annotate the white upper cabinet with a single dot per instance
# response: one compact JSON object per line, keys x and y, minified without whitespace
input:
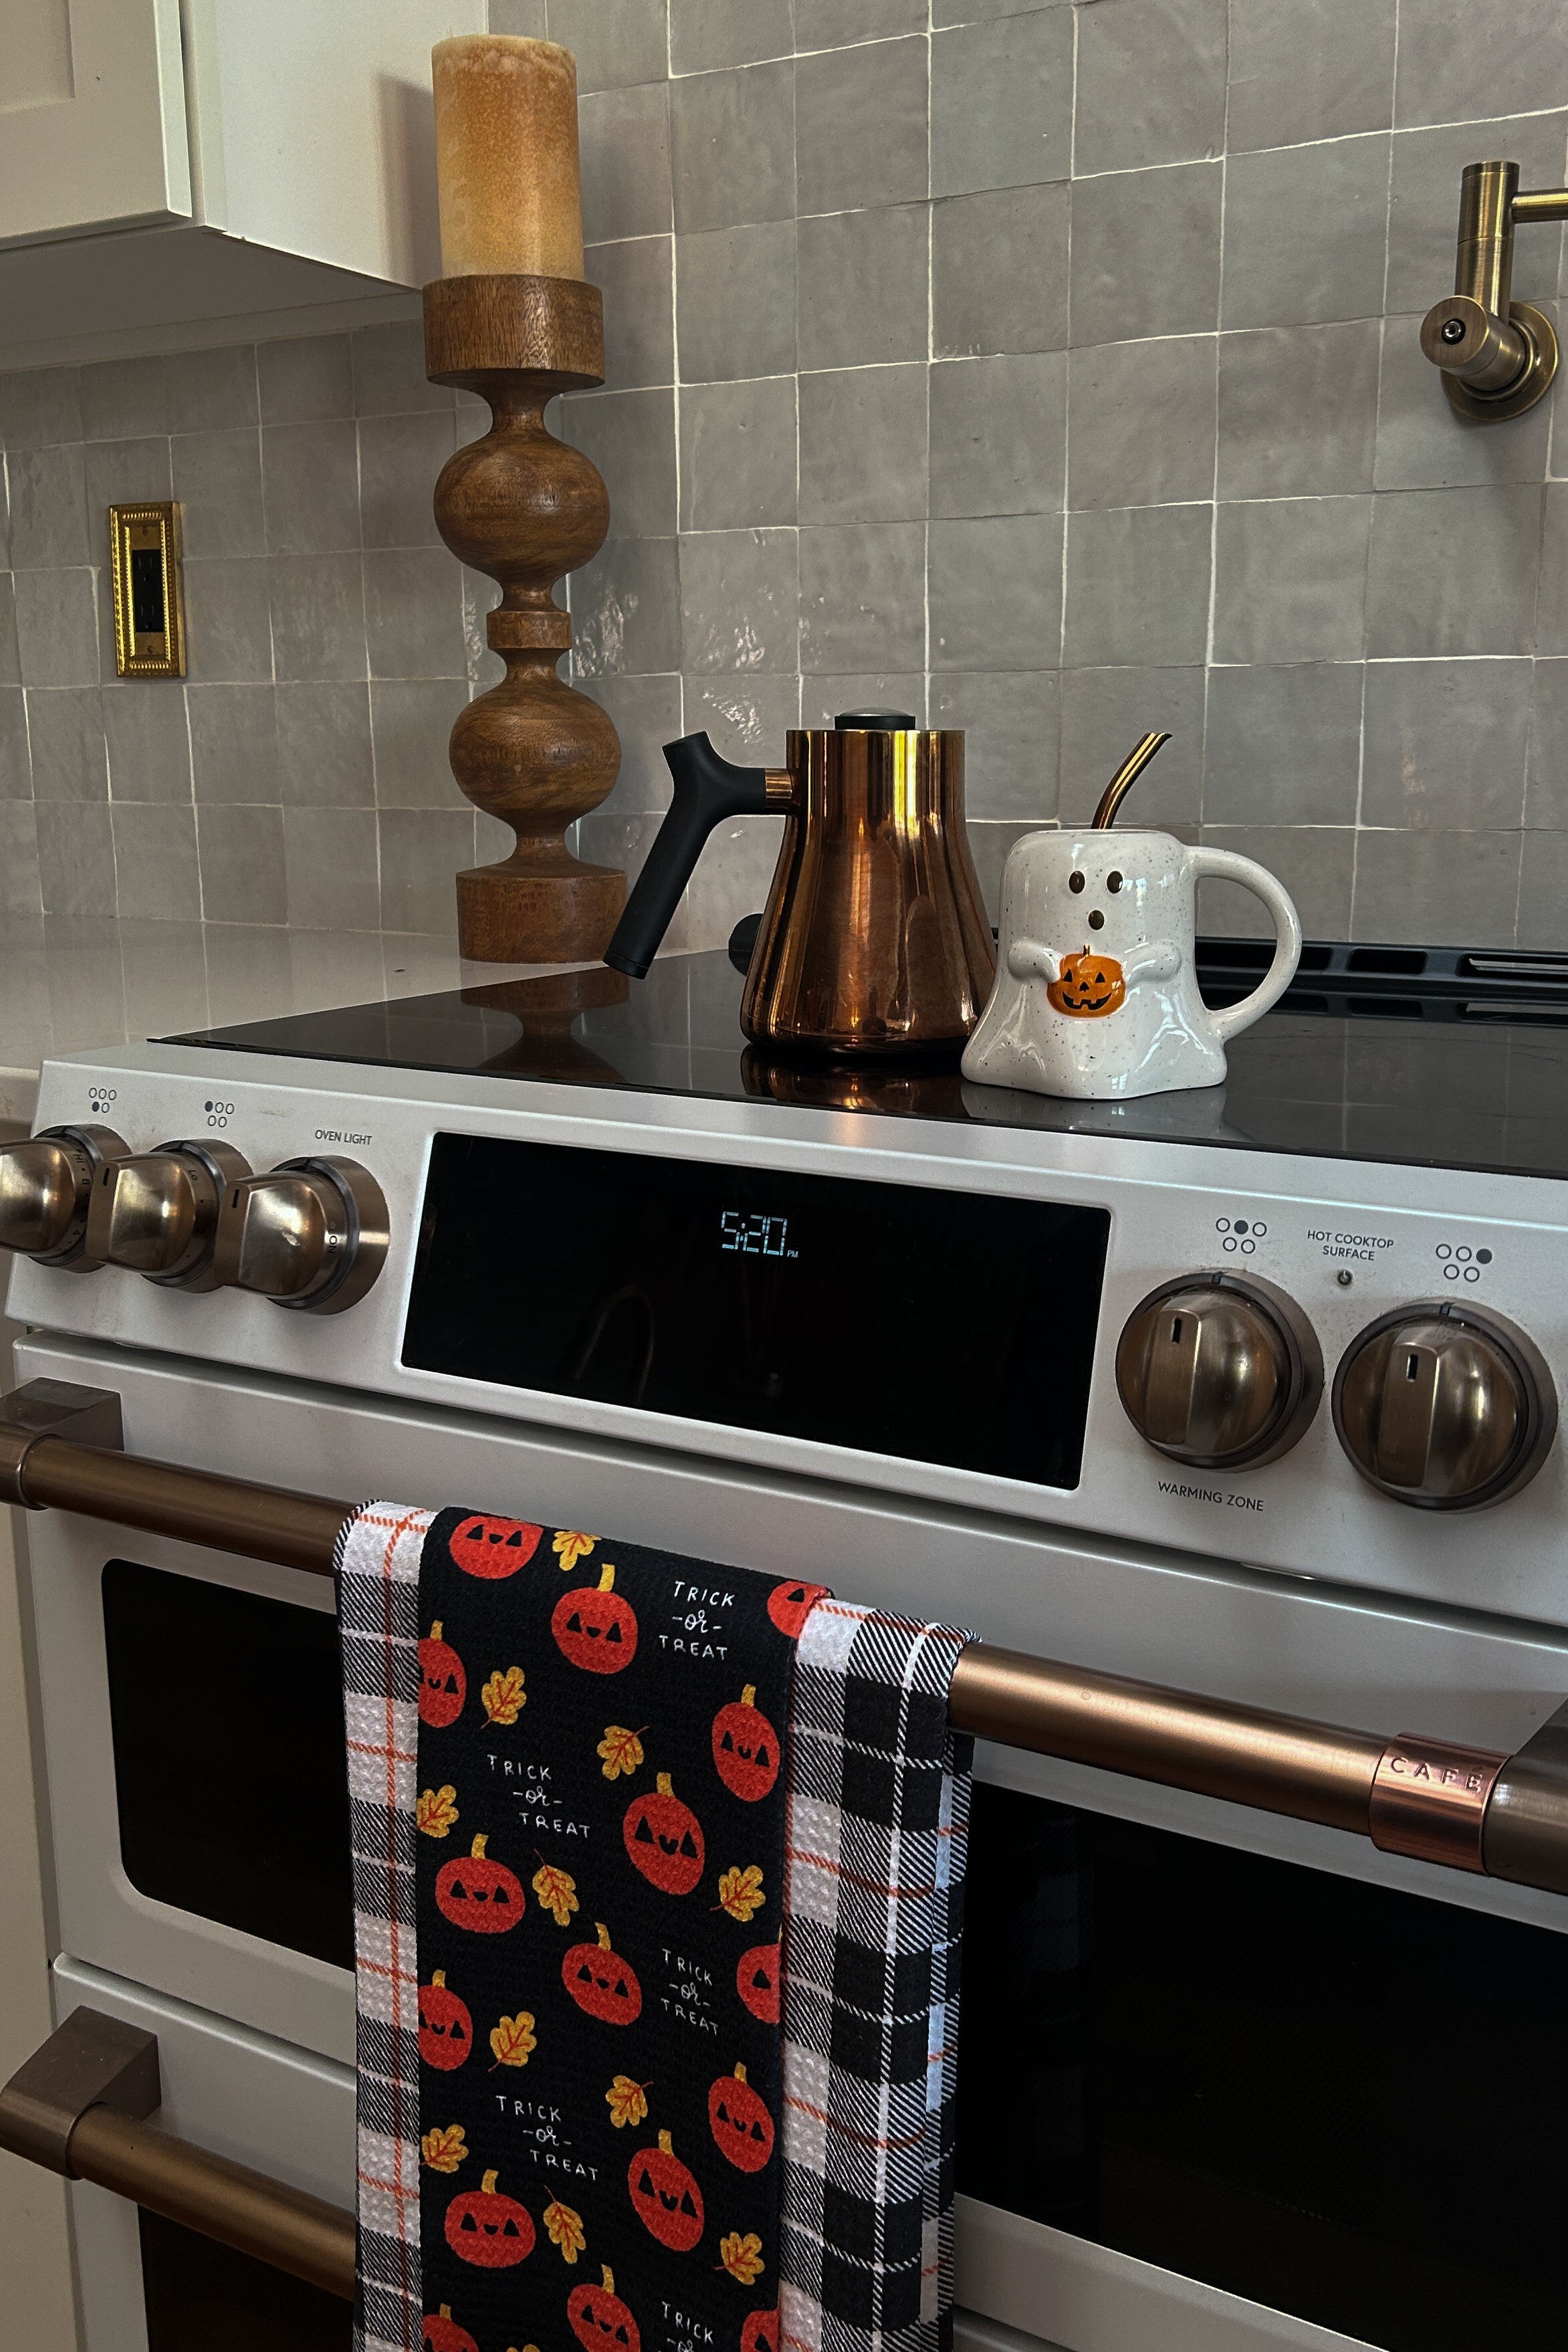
{"x":92,"y":117}
{"x":207,"y":166}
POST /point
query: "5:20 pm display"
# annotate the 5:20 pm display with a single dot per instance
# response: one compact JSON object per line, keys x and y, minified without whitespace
{"x":754,"y":1235}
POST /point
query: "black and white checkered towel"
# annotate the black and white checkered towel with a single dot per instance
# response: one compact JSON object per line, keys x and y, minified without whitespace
{"x":378,"y":1616}
{"x":879,"y":1814}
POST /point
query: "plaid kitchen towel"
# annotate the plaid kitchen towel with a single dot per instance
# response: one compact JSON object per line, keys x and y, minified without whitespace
{"x":379,"y":1556}
{"x":879,"y":1812}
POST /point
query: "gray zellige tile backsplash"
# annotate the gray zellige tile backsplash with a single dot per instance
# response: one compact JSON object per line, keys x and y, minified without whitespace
{"x":1048,"y":369}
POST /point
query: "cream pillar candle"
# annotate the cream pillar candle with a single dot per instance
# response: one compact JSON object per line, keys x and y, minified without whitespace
{"x":505,"y":157}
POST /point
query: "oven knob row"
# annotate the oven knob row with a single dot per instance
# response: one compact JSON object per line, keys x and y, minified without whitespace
{"x":1437,"y":1406}
{"x":310,"y":1234}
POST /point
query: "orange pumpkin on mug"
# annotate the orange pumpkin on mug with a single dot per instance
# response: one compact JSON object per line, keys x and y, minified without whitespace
{"x":1089,"y":985}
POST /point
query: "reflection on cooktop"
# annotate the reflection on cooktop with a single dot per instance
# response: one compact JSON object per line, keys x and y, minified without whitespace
{"x":1488,"y":1097}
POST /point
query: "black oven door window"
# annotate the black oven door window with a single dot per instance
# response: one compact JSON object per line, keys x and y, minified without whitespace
{"x":230,"y":1767}
{"x":1338,"y":2100}
{"x":203,"y":2297}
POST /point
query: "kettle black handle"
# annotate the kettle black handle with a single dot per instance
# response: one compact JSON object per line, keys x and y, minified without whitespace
{"x":707,"y":789}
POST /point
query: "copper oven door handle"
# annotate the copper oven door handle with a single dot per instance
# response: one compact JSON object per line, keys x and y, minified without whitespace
{"x":1469,"y":1809}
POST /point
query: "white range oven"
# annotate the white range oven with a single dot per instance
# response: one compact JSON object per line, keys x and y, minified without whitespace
{"x":1250,"y":1395}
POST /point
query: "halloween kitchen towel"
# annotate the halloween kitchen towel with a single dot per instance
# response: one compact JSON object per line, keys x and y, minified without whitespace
{"x":569,"y":1853}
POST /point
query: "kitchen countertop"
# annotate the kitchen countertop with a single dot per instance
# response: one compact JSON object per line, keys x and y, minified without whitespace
{"x":67,"y":983}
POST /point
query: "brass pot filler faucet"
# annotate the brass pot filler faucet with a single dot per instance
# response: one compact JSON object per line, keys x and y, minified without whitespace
{"x":1497,"y":356}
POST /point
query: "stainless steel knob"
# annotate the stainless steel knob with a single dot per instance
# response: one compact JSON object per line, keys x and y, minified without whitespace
{"x":1445,"y":1407}
{"x":46,"y":1185}
{"x":156,"y":1213}
{"x":310,"y":1234}
{"x":1217,"y":1371}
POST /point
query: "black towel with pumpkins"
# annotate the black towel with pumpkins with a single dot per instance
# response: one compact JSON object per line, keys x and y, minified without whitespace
{"x":600,"y":1874}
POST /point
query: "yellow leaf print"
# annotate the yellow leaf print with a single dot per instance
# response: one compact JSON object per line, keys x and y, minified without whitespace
{"x":742,"y":2257}
{"x":503,"y":1695}
{"x":622,"y":1750}
{"x":628,"y":2103}
{"x":443,"y":2150}
{"x":514,"y":2040}
{"x":555,"y":1889}
{"x":437,"y":1811}
{"x":565,"y":2229}
{"x":570,"y":1546}
{"x":740,"y":1892}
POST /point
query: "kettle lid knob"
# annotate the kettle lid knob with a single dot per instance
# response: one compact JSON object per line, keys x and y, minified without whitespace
{"x":875,"y":722}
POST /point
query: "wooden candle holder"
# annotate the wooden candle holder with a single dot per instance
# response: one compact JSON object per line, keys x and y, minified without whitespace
{"x":527,"y":510}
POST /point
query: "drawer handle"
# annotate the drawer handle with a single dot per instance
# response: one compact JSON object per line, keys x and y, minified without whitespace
{"x":81,"y":2106}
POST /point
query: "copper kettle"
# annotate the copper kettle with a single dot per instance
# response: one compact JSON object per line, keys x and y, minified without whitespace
{"x":875,"y":938}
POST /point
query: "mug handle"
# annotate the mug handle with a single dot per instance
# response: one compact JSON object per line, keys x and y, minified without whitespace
{"x":1226,"y":866}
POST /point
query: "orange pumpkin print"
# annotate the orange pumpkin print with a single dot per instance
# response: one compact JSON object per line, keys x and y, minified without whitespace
{"x":442,"y":1685}
{"x":1090,"y":986}
{"x":490,"y":2230}
{"x":442,"y":2332}
{"x":756,"y":1981}
{"x":492,"y":1548}
{"x":599,"y":2320}
{"x":665,"y":2196}
{"x":595,"y":1626}
{"x":479,"y":1894}
{"x":745,"y":1748}
{"x":739,"y":2122}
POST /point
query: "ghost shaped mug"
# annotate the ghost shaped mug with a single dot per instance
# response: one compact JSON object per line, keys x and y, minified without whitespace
{"x":1096,"y":992}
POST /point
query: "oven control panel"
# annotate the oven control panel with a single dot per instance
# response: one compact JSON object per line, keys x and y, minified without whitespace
{"x":1341,"y":1369}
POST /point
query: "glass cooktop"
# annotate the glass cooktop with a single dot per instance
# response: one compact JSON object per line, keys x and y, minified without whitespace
{"x":1428,"y":1057}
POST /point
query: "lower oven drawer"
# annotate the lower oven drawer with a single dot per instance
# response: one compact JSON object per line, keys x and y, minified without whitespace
{"x":148,"y":2286}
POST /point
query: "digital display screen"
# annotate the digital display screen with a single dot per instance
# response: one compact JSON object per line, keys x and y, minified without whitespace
{"x":931,"y":1325}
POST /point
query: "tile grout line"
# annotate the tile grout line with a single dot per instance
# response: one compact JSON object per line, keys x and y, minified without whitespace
{"x":1367,"y":568}
{"x":1066,"y":417}
{"x":927,"y":685}
{"x":1214,"y":477}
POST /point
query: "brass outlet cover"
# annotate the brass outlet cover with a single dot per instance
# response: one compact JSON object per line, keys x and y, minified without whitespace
{"x":148,"y":596}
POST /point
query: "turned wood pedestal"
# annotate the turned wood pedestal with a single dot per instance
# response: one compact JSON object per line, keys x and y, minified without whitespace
{"x":527,"y":508}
